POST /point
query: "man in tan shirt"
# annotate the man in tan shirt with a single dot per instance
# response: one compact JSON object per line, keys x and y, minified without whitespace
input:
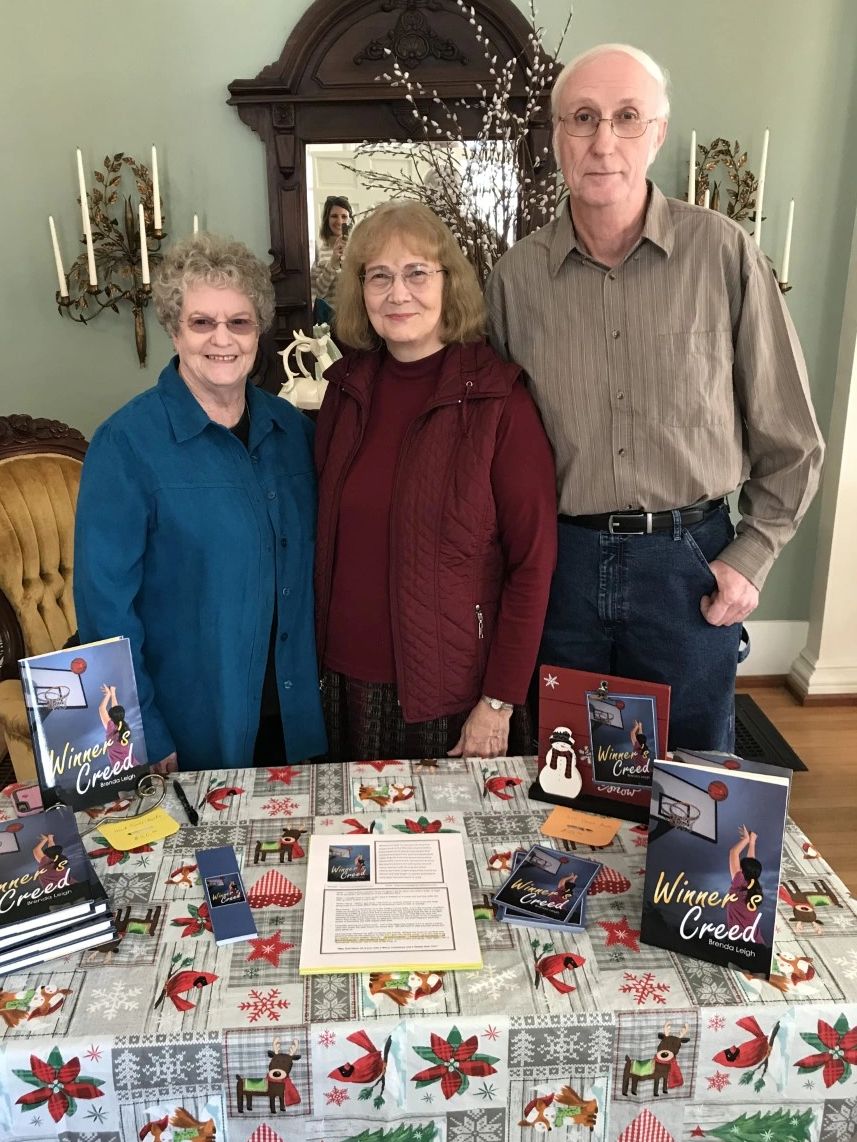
{"x":668,"y":374}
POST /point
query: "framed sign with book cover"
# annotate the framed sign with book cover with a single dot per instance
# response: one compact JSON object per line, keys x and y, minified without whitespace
{"x":598,"y":736}
{"x":85,"y":722}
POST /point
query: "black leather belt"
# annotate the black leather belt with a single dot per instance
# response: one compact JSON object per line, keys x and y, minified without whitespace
{"x":641,"y":523}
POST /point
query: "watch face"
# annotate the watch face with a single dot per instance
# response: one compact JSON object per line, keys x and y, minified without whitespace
{"x":495,"y":703}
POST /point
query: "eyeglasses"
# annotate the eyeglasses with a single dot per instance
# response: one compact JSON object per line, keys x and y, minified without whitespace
{"x":625,"y":125}
{"x":238,"y":326}
{"x":415,"y":278}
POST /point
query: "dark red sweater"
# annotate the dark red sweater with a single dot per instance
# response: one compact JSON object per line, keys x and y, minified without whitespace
{"x":463,"y":485}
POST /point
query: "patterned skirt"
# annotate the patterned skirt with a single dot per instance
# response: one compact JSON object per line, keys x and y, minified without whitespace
{"x":364,"y":723}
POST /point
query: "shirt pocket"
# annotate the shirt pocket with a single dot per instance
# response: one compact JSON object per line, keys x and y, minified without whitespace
{"x":693,"y":384}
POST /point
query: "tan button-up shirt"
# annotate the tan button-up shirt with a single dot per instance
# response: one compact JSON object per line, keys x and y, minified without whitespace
{"x":674,"y":377}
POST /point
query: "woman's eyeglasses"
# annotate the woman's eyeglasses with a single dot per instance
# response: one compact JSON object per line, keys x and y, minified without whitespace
{"x":415,"y":278}
{"x":238,"y":326}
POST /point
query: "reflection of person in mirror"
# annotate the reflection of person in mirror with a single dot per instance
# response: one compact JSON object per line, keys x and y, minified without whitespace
{"x":116,"y":728}
{"x":437,"y":505}
{"x":333,"y":234}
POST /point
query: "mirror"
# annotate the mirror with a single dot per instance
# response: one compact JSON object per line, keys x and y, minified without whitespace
{"x":322,"y":97}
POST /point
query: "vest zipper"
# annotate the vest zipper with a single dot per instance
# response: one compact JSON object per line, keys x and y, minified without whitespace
{"x":480,"y":620}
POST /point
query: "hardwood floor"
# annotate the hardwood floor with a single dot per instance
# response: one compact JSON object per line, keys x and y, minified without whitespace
{"x":824,"y":799}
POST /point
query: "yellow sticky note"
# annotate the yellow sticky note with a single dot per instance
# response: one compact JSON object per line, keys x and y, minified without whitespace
{"x":585,"y":828}
{"x":131,"y":832}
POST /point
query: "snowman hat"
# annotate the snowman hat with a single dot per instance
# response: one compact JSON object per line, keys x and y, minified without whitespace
{"x":562,"y":734}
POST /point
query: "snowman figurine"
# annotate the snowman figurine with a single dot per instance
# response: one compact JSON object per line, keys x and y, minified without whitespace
{"x":559,"y":775}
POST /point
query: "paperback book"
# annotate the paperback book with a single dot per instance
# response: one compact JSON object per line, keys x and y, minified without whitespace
{"x":231,"y":918}
{"x":546,"y":889}
{"x":714,"y":858}
{"x":85,"y":722}
{"x":598,"y":735}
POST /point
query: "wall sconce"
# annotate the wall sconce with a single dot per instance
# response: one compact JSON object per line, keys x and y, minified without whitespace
{"x":121,"y":245}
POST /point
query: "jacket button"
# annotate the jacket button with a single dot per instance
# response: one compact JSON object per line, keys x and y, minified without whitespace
{"x":284,"y":637}
{"x":272,"y":495}
{"x":287,"y":685}
{"x":286,"y":592}
{"x":284,"y":542}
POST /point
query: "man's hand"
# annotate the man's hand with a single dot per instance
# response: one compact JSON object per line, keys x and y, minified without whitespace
{"x":734,"y":599}
{"x":168,"y":765}
{"x":484,"y":734}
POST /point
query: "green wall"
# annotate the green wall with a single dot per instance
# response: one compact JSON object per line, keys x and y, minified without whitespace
{"x":113,"y":75}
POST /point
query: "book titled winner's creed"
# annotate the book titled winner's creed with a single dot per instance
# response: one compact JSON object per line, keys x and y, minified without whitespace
{"x":713,"y":859}
{"x":598,"y":735}
{"x":85,"y":722}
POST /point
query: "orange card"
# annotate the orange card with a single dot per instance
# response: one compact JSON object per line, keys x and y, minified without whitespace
{"x":585,"y":828}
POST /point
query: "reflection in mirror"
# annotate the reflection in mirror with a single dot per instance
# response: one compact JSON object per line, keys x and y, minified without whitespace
{"x":473,"y":190}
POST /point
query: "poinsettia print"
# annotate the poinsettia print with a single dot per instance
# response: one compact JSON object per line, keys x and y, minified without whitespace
{"x":454,"y":1062}
{"x":422,"y":825}
{"x":196,"y":923}
{"x":57,"y":1085}
{"x":116,"y":856}
{"x":835,"y":1051}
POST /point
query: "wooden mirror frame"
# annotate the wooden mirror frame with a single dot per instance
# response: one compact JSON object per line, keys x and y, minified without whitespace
{"x":323,"y":89}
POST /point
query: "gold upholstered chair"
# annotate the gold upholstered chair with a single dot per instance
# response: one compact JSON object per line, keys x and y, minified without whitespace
{"x":40,"y":466}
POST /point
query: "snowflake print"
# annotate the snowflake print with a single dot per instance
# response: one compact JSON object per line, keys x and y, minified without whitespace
{"x":552,"y":681}
{"x":327,"y":1039}
{"x":428,"y":1098}
{"x":280,"y":806}
{"x":337,"y":1096}
{"x":94,"y":1054}
{"x":96,"y":1113}
{"x":644,"y":987}
{"x":327,"y":822}
{"x":109,"y":1001}
{"x":494,"y":982}
{"x":491,"y":1033}
{"x":450,"y":818}
{"x":716,"y":1023}
{"x":718,"y":1081}
{"x":259,"y":1005}
{"x":847,"y":964}
{"x":487,"y":1091}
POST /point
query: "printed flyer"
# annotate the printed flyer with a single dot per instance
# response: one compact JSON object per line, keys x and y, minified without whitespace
{"x":388,"y":903}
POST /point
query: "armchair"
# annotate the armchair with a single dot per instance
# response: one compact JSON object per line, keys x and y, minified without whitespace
{"x":40,"y":466}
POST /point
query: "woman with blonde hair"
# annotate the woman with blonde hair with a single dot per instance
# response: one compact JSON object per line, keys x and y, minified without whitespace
{"x":437,"y":508}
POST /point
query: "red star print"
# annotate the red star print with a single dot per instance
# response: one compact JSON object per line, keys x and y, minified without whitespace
{"x":698,"y":1133}
{"x":378,"y":766}
{"x":269,"y":948}
{"x":618,"y":932}
{"x":284,"y":773}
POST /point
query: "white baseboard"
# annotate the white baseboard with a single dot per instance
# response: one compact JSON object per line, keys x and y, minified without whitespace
{"x":774,"y":646}
{"x":811,"y":680}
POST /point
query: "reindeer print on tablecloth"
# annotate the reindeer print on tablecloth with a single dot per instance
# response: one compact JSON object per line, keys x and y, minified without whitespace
{"x":805,"y":903}
{"x":565,"y":1107}
{"x":276,"y":1085}
{"x":662,"y":1068}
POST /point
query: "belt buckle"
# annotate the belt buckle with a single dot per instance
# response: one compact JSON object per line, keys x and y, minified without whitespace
{"x":612,"y":522}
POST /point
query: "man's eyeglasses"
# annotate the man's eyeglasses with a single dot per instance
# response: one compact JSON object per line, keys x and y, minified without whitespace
{"x":415,"y":278}
{"x":625,"y":125}
{"x":238,"y":326}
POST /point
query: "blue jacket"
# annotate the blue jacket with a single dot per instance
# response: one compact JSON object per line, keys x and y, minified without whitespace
{"x":184,"y":540}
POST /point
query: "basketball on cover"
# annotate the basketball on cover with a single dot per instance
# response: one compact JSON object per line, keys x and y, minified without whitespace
{"x":717,"y":791}
{"x":78,"y":665}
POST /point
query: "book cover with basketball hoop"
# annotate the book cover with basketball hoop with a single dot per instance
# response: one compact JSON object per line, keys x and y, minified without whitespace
{"x":598,"y":734}
{"x":714,"y":857}
{"x":85,"y":722}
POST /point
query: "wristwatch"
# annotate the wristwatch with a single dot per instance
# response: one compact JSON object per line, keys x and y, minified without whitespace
{"x":496,"y":703}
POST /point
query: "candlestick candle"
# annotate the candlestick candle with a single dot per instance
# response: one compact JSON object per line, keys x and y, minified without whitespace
{"x":691,"y":174}
{"x":156,"y":190}
{"x":58,"y":259}
{"x":706,"y":200}
{"x":196,"y":223}
{"x":87,"y":226}
{"x":787,"y":245}
{"x":144,"y":249}
{"x":760,"y":195}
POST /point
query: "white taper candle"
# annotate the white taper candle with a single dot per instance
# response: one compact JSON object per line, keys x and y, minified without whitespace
{"x":144,"y":249}
{"x":760,"y":196}
{"x":58,"y":259}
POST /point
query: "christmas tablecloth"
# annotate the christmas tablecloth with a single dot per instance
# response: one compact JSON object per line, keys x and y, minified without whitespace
{"x":173,"y":1039}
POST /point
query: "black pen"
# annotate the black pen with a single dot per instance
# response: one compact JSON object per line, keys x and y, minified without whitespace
{"x":190,"y":812}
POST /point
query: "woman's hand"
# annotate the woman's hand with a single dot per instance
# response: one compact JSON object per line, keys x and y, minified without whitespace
{"x":484,"y":734}
{"x":339,"y":249}
{"x":168,"y":765}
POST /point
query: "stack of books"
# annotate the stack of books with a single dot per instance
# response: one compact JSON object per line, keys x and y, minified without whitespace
{"x":51,"y":900}
{"x":547,"y":889}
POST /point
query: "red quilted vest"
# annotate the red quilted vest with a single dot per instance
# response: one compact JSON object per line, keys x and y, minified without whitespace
{"x":446,"y":564}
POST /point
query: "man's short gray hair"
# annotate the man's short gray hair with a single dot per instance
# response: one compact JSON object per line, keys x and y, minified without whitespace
{"x":645,"y":61}
{"x":208,"y":259}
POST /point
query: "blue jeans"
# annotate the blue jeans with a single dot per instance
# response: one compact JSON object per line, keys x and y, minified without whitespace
{"x":629,"y":605}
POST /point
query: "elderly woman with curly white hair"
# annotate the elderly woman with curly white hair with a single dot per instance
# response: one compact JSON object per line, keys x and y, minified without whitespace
{"x":195,"y":527}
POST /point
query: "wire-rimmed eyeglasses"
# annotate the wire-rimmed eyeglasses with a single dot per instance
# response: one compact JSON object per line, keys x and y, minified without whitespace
{"x":581,"y":124}
{"x":238,"y":326}
{"x":414,"y":278}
